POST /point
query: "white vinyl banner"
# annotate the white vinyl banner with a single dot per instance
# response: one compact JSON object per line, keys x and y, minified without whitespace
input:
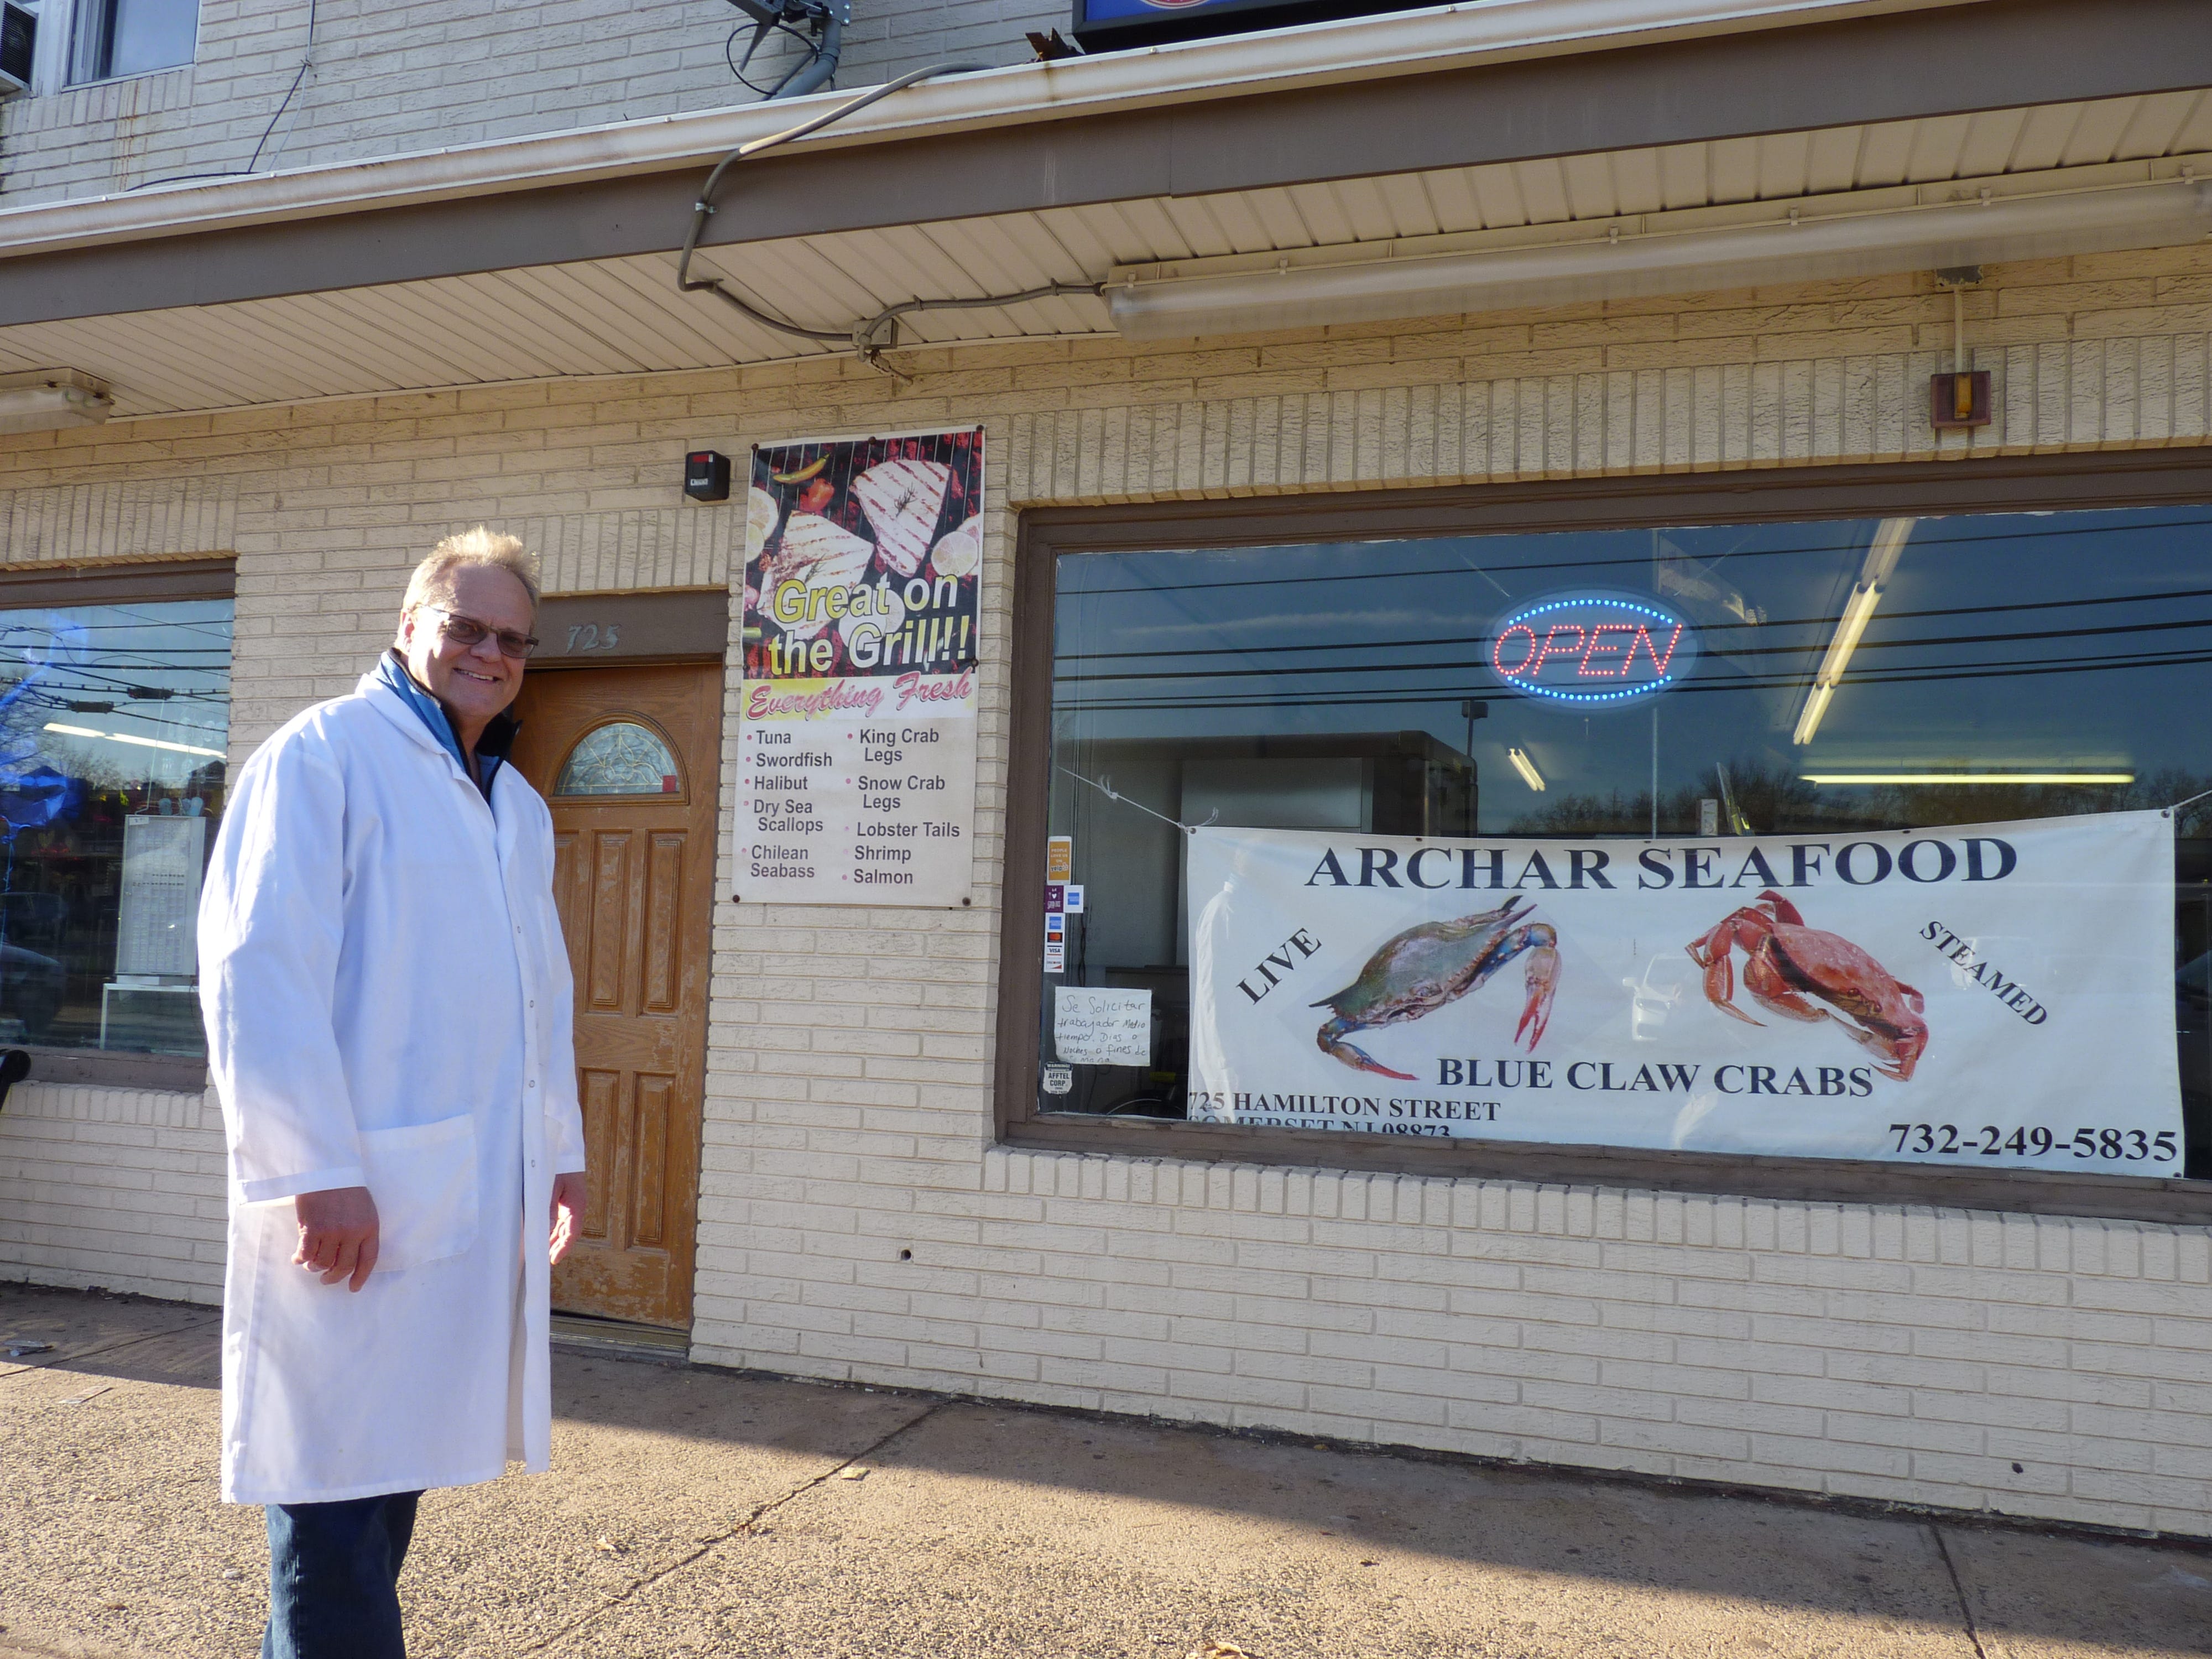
{"x":1984,"y":995}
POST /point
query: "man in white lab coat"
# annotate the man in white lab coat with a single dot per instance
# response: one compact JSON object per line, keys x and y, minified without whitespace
{"x":388,"y":1004}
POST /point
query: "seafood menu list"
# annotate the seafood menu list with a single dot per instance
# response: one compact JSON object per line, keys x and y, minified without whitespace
{"x":1971,"y":995}
{"x":851,"y":792}
{"x":856,"y":742}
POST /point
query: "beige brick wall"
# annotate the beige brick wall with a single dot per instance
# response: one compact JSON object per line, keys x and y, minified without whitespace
{"x":1904,"y":1354}
{"x":121,"y":519}
{"x":111,"y":1186}
{"x":1888,"y":1352}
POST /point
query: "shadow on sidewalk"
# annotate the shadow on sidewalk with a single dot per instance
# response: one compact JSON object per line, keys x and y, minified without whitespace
{"x":653,"y":1439}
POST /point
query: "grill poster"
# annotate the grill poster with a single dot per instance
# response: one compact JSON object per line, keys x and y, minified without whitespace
{"x":863,"y":557}
{"x":1989,"y":996}
{"x":856,"y":730}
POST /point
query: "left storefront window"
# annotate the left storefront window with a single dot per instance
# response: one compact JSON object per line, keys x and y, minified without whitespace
{"x":114,"y":723}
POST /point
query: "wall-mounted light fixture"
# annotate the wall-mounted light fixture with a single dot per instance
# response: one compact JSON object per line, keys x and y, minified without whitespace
{"x":1620,"y":258}
{"x":1961,"y":399}
{"x":45,"y":399}
{"x":707,"y":476}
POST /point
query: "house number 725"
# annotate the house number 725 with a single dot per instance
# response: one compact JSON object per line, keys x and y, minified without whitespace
{"x":591,"y":636}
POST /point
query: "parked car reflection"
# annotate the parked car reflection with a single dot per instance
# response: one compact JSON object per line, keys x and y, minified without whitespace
{"x":31,"y":988}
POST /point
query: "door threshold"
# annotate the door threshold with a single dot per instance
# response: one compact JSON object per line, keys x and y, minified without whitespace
{"x":619,"y":1337}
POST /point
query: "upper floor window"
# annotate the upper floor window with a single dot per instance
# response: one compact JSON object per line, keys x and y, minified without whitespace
{"x":113,"y":38}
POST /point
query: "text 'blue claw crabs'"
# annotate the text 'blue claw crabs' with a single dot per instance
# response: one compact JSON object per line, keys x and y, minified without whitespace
{"x":1439,"y":961}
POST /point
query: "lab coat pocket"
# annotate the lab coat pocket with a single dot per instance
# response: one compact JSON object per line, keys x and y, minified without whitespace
{"x":423,"y":1178}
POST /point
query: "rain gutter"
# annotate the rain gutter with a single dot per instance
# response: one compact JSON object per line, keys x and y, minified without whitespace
{"x":1478,"y":33}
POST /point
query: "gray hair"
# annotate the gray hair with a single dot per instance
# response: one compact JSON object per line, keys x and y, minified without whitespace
{"x":433,"y":579}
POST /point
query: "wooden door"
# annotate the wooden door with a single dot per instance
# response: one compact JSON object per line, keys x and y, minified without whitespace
{"x":628,"y":759}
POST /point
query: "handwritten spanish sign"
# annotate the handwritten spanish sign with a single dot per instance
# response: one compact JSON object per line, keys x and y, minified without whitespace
{"x":1095,"y":1027}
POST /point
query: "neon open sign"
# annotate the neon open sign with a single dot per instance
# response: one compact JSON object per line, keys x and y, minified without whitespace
{"x":1592,"y":648}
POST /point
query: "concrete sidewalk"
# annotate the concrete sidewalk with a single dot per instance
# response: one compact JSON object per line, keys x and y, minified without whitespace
{"x":693,"y":1511}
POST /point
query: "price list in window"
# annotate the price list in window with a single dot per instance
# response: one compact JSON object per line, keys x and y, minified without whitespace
{"x":162,"y":859}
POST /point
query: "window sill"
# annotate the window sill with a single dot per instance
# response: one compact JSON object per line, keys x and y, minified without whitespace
{"x":2171,"y":1201}
{"x":117,"y":80}
{"x":105,"y":1068}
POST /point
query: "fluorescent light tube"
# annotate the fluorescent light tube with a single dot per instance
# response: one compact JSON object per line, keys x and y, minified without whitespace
{"x":1858,"y":611}
{"x":1527,"y":768}
{"x":1883,"y":553}
{"x":1880,"y":562}
{"x":1815,"y":706}
{"x":1968,"y":777}
{"x":124,"y":736}
{"x":1620,"y":259}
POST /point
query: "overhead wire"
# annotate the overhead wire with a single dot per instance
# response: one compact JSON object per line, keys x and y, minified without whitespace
{"x":2003,"y":670}
{"x":1541,"y":566}
{"x":1452,"y":664}
{"x":865,"y":337}
{"x":307,"y":62}
{"x":1339,"y":646}
{"x":59,"y":707}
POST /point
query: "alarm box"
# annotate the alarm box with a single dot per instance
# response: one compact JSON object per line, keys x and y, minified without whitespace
{"x":707,"y":476}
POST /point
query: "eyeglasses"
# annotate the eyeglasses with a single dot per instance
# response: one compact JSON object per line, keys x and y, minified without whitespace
{"x":468,"y":633}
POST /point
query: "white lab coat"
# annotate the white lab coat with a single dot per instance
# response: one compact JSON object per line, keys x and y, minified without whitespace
{"x":387,"y":1005}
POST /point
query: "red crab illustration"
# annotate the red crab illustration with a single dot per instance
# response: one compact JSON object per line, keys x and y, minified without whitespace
{"x":1785,"y":962}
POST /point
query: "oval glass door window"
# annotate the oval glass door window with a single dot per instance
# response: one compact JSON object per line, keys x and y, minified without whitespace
{"x":621,"y":758}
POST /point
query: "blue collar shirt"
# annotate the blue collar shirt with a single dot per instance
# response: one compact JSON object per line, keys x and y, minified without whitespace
{"x":491,"y":748}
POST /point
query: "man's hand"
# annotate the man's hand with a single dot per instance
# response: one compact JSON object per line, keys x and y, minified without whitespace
{"x":337,"y":1235}
{"x":570,"y":1196}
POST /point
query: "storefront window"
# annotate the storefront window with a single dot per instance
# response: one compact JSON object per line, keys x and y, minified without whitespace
{"x":1830,"y":681}
{"x":114,"y":720}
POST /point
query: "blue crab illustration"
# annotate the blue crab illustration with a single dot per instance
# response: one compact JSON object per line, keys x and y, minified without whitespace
{"x":1424,"y":967}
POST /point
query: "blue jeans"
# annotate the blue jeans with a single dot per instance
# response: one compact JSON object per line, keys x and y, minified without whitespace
{"x":334,"y":1579}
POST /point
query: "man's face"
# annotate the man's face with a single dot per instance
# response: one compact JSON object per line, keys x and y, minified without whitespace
{"x":473,"y":682}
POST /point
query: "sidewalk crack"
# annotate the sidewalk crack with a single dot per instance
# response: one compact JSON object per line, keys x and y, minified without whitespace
{"x":760,"y":1512}
{"x":55,"y":1361}
{"x":1959,"y":1589}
